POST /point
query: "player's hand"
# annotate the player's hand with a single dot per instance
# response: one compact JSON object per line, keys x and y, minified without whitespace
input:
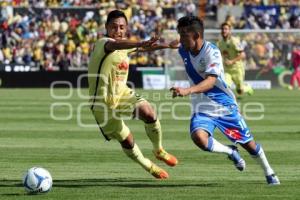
{"x":150,"y":43}
{"x":179,"y":92}
{"x":229,"y":62}
{"x":174,"y":44}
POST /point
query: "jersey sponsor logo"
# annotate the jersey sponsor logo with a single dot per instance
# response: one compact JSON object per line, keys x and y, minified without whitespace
{"x":118,"y":78}
{"x":233,"y":133}
{"x":123,"y":66}
{"x":212,"y":65}
{"x":121,"y":73}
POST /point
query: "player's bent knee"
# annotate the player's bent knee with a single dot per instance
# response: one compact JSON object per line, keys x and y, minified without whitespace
{"x":239,"y":91}
{"x":128,"y":143}
{"x":148,"y":116}
{"x":145,"y":113}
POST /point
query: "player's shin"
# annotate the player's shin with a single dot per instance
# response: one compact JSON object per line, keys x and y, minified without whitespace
{"x":261,"y":159}
{"x":154,"y":133}
{"x":136,"y":155}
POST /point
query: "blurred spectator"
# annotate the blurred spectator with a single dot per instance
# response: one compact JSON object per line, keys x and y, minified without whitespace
{"x":296,"y":69}
{"x":57,"y":39}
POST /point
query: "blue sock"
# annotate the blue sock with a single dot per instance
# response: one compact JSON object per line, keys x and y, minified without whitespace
{"x":256,"y":151}
{"x":209,"y":144}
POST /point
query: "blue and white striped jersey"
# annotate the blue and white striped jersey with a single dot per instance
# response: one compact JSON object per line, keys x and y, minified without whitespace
{"x":218,"y":101}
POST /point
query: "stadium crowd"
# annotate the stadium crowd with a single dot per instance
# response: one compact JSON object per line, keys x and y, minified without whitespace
{"x":59,"y":34}
{"x":287,"y":16}
{"x":56,"y":39}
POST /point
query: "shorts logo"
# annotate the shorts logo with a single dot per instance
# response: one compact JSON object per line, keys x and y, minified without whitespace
{"x":233,"y":133}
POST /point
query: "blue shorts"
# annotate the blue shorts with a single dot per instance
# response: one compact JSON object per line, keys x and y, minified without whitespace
{"x":233,"y":126}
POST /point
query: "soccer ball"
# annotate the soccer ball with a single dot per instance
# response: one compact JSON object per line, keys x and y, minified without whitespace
{"x":37,"y":180}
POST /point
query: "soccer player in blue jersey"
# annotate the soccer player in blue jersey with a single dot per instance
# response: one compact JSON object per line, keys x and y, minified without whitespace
{"x":213,"y":102}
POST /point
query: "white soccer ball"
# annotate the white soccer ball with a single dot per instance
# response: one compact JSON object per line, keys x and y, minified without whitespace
{"x":37,"y":180}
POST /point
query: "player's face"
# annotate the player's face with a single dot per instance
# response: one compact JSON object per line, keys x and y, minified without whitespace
{"x":117,"y":28}
{"x":187,"y":39}
{"x":225,"y":31}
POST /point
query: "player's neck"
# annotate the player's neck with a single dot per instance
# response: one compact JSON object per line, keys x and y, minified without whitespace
{"x":227,"y":37}
{"x":198,"y":47}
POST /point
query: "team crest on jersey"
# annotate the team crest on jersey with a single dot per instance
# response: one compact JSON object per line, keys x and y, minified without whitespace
{"x":216,"y":54}
{"x":225,"y":53}
{"x":202,"y":65}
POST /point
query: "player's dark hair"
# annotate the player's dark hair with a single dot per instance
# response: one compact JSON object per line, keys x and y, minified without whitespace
{"x":192,"y":23}
{"x":114,"y":15}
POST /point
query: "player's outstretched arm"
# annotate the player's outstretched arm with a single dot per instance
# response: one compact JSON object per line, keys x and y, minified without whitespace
{"x":203,"y":86}
{"x":113,"y":45}
{"x":157,"y":46}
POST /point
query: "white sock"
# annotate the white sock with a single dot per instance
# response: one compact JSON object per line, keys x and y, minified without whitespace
{"x":136,"y":155}
{"x":218,"y":147}
{"x":261,"y":159}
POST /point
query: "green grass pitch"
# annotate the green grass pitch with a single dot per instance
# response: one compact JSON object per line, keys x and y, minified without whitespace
{"x":85,"y":166}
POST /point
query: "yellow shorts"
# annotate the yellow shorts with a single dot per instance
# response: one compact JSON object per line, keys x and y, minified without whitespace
{"x":111,"y":121}
{"x":236,"y":76}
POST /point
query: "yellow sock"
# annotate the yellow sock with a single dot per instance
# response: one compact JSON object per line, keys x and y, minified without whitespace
{"x":154,"y":133}
{"x":136,"y":155}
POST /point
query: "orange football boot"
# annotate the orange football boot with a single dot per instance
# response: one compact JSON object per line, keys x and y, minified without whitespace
{"x":169,"y":159}
{"x":158,"y":172}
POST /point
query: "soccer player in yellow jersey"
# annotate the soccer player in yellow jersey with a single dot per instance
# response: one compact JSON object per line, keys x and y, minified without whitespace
{"x":112,"y":100}
{"x":233,"y":60}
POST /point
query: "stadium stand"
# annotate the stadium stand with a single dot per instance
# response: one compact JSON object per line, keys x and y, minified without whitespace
{"x":56,"y":35}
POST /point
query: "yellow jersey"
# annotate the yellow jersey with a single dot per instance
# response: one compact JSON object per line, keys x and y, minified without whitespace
{"x":230,"y":50}
{"x":107,"y":75}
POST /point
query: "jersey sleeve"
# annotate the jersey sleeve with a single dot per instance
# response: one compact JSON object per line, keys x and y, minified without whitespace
{"x":98,"y":49}
{"x":237,"y":44}
{"x":131,"y":50}
{"x":214,"y":62}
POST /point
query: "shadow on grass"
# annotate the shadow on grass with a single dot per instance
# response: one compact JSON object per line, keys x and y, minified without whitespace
{"x":12,"y":183}
{"x":111,"y":182}
{"x":128,"y":183}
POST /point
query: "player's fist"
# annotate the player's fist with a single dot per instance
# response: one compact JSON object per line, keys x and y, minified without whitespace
{"x":229,"y":62}
{"x":177,"y":91}
{"x":174,"y":44}
{"x":150,"y":43}
{"x":174,"y":92}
